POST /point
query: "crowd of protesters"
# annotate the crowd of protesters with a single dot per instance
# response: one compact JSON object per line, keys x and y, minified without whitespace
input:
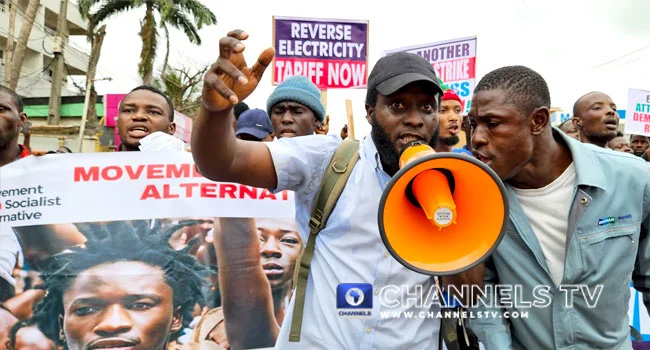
{"x":229,"y":282}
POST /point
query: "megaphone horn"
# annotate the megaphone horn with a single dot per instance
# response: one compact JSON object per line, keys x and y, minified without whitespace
{"x":442,"y":213}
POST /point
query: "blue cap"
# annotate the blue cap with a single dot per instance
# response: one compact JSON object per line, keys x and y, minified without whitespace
{"x":254,"y":122}
{"x":298,"y":89}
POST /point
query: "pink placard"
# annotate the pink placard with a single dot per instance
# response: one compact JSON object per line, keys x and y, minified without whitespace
{"x":183,"y":126}
{"x":111,"y":111}
{"x":111,"y":108}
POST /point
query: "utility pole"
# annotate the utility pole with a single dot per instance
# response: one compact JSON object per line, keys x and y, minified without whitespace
{"x":10,"y":43}
{"x":84,"y":117}
{"x":58,"y":65}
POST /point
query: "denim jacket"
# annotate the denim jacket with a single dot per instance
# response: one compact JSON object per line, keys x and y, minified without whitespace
{"x":605,"y":245}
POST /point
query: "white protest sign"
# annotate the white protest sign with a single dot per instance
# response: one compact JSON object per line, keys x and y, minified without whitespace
{"x":638,"y":107}
{"x":454,"y":62}
{"x":62,"y":188}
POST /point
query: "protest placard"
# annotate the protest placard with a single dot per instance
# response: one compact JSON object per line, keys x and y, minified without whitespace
{"x":638,"y":104}
{"x":127,"y":217}
{"x":58,"y":202}
{"x":332,"y":53}
{"x":454,"y":62}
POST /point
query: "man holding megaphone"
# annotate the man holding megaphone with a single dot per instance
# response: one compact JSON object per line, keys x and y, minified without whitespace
{"x":575,"y":238}
{"x":402,"y":106}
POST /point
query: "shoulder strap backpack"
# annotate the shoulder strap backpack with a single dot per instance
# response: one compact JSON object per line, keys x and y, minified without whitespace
{"x":336,"y":176}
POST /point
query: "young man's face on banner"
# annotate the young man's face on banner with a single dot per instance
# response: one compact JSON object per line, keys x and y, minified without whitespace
{"x":280,"y":245}
{"x":126,"y":304}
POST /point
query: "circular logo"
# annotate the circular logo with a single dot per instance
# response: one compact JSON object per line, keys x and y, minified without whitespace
{"x":354,"y":297}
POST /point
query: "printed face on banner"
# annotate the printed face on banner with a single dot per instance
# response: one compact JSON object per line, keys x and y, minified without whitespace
{"x":126,"y":283}
{"x":331,"y":53}
{"x":454,"y":62}
{"x":127,"y":251}
{"x":135,"y":307}
{"x":280,"y":246}
{"x":113,"y":283}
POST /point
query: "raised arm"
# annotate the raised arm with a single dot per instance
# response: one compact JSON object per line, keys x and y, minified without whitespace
{"x":245,"y":290}
{"x":220,"y":156}
{"x":22,"y":305}
{"x":42,"y":241}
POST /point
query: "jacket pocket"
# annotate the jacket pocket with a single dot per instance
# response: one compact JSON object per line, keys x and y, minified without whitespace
{"x":631,"y":232}
{"x":608,"y":258}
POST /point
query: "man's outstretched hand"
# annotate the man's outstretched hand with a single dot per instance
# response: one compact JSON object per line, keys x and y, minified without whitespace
{"x":229,"y":80}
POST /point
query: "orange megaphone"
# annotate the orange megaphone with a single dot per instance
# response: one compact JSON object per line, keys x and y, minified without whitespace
{"x":442,"y":213}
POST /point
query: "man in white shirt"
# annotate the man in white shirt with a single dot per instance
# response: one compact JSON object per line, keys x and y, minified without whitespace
{"x":402,"y":106}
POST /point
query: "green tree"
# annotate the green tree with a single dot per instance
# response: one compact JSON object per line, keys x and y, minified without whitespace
{"x":186,"y":15}
{"x":16,"y":54}
{"x":183,"y":86}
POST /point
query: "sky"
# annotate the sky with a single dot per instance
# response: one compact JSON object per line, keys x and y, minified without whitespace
{"x":578,"y":46}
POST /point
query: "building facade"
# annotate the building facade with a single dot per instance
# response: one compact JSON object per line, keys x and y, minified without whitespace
{"x":36,"y":73}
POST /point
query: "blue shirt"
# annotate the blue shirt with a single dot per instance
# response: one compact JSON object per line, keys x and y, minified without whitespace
{"x":348,"y":250}
{"x":605,"y":246}
{"x":462,"y":150}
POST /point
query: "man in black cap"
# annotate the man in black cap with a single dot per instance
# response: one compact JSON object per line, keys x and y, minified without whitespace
{"x":402,"y":106}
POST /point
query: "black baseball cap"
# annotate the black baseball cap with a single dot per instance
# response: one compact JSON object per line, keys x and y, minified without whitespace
{"x":399,"y":69}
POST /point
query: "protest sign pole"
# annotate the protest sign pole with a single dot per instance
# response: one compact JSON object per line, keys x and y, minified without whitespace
{"x":323,"y":98}
{"x":348,"y":107}
{"x":84,"y":116}
{"x":273,"y":46}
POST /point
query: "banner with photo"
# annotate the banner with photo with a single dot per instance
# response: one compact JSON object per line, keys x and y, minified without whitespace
{"x":454,"y":62}
{"x":139,"y":233}
{"x":145,"y":239}
{"x":332,"y":53}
